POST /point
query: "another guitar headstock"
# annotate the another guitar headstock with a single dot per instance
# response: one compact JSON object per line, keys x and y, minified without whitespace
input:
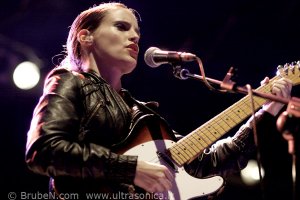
{"x":290,"y":71}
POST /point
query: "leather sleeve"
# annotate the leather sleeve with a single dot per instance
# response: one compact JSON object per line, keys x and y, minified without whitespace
{"x":53,"y":148}
{"x":230,"y":154}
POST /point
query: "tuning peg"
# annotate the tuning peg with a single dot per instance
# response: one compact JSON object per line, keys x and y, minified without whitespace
{"x":280,"y":70}
{"x":279,"y":67}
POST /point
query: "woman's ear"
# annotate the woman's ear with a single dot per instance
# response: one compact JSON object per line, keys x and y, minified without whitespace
{"x":84,"y":37}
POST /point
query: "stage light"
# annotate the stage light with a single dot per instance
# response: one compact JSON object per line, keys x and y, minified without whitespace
{"x":250,"y":174}
{"x":20,"y":64}
{"x":26,"y":75}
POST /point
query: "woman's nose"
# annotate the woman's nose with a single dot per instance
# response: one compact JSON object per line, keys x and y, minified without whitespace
{"x":134,"y":37}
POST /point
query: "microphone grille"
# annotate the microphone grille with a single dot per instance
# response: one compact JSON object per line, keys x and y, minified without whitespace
{"x":148,"y":57}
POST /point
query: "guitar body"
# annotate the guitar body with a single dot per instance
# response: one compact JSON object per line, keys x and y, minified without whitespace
{"x":185,"y":186}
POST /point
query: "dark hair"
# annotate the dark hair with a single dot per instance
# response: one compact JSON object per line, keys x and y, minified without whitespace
{"x":89,"y":19}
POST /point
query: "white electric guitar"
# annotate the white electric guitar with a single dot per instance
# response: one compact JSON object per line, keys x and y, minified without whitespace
{"x":175,"y":154}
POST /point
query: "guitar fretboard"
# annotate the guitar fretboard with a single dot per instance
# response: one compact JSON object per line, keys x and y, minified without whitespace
{"x":195,"y":142}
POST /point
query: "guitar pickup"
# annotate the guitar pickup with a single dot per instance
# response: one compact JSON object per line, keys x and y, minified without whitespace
{"x":167,"y":160}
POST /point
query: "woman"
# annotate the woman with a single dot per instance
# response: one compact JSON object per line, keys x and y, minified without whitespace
{"x":84,"y":115}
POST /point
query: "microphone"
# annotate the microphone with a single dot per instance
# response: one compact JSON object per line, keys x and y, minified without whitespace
{"x":155,"y":57}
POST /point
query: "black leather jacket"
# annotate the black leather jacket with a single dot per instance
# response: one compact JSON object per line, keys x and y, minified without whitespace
{"x":80,"y":118}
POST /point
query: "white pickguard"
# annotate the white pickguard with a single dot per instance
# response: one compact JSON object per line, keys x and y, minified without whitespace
{"x":185,"y":186}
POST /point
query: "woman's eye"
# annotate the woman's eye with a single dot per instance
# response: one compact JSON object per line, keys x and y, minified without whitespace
{"x":122,"y":27}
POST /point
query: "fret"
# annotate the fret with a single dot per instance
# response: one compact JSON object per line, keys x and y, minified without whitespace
{"x":194,"y":139}
{"x":210,"y":133}
{"x":183,"y":147}
{"x":213,"y":124}
{"x":188,"y":145}
{"x":176,"y":155}
{"x":197,"y":136}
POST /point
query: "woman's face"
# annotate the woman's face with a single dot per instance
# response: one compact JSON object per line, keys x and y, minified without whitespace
{"x":116,"y":39}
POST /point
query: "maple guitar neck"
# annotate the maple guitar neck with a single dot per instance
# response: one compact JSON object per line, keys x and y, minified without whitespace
{"x":195,"y":142}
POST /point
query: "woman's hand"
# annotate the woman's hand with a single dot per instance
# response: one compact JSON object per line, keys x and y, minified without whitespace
{"x":153,"y":177}
{"x":281,"y":88}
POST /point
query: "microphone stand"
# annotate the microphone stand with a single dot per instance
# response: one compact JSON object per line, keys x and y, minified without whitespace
{"x":227,"y":84}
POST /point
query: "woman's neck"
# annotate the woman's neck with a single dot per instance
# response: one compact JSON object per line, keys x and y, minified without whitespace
{"x":110,"y":74}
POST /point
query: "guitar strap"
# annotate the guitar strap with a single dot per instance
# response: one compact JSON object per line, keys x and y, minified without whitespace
{"x":154,"y":128}
{"x":152,"y":119}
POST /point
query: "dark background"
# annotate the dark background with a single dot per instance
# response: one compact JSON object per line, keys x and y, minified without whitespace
{"x":252,"y":36}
